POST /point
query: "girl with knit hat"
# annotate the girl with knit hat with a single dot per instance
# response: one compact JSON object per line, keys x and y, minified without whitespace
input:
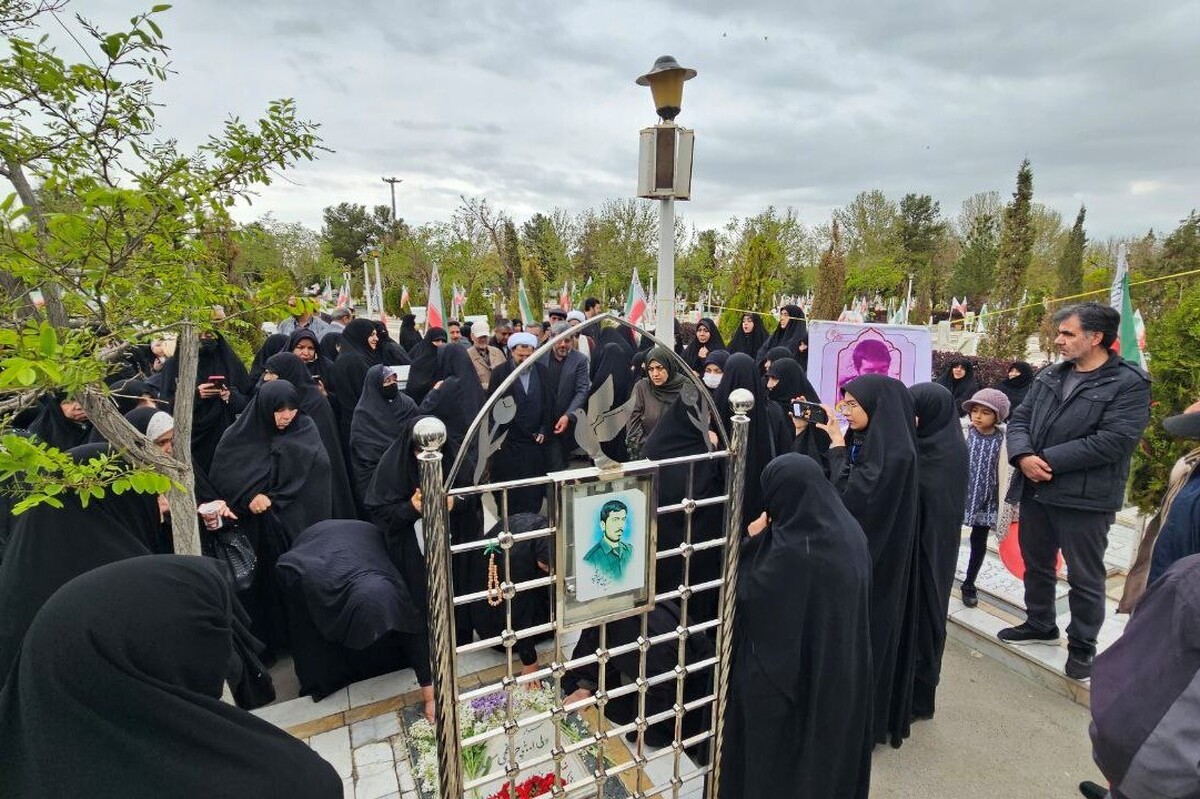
{"x":986,"y":409}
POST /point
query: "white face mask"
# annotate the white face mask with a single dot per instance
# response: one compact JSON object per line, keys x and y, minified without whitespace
{"x":711,"y":379}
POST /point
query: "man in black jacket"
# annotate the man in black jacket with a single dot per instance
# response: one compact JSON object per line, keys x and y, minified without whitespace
{"x":1071,"y":440}
{"x":567,"y":385}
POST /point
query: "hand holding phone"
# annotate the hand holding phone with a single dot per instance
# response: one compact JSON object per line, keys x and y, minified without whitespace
{"x":218,"y":381}
{"x":809,"y":412}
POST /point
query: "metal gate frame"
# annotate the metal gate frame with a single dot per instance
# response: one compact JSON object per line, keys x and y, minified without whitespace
{"x":430,"y":436}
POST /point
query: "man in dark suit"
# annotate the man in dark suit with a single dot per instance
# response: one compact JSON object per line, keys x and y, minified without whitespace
{"x":568,"y":381}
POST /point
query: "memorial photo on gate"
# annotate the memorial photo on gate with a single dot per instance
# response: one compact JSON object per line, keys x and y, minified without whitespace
{"x":608,"y":540}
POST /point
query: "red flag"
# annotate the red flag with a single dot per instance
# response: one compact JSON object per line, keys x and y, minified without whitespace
{"x":435,"y":315}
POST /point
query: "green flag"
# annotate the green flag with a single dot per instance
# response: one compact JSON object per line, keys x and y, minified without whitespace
{"x":523,"y":304}
{"x":1127,"y":334}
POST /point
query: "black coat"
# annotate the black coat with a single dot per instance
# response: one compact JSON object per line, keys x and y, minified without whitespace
{"x":210,"y":417}
{"x":943,"y":468}
{"x":1087,"y":438}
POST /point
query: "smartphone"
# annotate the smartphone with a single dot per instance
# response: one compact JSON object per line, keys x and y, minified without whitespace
{"x":218,"y":381}
{"x":809,"y":411}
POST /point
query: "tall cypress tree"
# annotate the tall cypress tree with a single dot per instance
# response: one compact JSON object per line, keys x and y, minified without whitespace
{"x":1005,"y":339}
{"x":830,"y":296}
{"x":1070,"y":261}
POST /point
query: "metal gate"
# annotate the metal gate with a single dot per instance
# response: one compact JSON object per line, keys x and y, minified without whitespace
{"x":449,"y":692}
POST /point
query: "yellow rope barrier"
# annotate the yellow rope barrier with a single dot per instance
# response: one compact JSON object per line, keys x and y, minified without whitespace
{"x":1044,"y":301}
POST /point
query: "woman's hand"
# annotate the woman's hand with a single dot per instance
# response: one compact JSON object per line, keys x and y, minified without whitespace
{"x":580,"y":695}
{"x":416,"y":500}
{"x":758,"y":525}
{"x":427,"y":694}
{"x":226,"y":512}
{"x":260,"y":503}
{"x":832,"y":428}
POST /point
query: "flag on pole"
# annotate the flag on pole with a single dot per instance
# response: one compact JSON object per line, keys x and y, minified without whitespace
{"x":327,"y":294}
{"x":1127,"y":337}
{"x":379,"y":294}
{"x":636,"y":302}
{"x":368,"y":297}
{"x":564,"y":298}
{"x":435,"y":314}
{"x":1119,"y":287}
{"x":981,"y":322}
{"x":343,"y":299}
{"x":404,"y":297}
{"x":523,"y":305}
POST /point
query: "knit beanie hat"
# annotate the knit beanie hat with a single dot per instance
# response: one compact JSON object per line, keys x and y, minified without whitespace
{"x":992,"y":399}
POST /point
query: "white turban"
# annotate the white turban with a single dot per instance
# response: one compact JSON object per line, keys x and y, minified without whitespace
{"x":517,"y":339}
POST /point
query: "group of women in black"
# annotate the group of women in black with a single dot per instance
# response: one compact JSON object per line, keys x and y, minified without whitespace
{"x":842,"y":592}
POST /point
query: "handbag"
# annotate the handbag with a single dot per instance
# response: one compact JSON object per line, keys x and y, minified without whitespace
{"x":232,"y":547}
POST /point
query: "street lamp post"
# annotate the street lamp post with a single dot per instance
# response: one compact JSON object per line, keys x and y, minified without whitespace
{"x":665,"y":174}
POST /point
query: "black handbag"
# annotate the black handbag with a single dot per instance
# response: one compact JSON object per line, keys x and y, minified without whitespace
{"x":232,"y":547}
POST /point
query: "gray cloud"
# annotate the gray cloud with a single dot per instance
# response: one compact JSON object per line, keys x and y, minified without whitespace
{"x":796,"y":103}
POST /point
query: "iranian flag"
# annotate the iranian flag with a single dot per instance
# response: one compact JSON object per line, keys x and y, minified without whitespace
{"x":343,"y":299}
{"x":1126,"y":344}
{"x":523,"y":304}
{"x":404,"y":300}
{"x":435,"y":315}
{"x":635,"y":300}
{"x":564,"y":298}
{"x":379,"y":294}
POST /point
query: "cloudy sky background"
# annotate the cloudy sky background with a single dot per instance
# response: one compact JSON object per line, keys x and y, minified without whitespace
{"x":533,"y":105}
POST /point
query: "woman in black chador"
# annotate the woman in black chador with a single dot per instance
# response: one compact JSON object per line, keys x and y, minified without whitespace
{"x":1016,"y":385}
{"x":286,"y":366}
{"x":750,"y":335}
{"x":959,"y":378}
{"x":456,"y":397}
{"x":610,"y":371}
{"x":423,"y":371}
{"x":765,"y":419}
{"x":683,"y":430}
{"x":792,"y":328}
{"x":707,"y":339}
{"x":942,"y":461}
{"x":394,"y":502}
{"x":350,"y":612}
{"x":215,"y":408}
{"x":360,"y":351}
{"x":381,"y":411}
{"x":50,"y":546}
{"x":874,"y":468}
{"x":272,"y":468}
{"x":799,"y":719}
{"x":117,"y":693}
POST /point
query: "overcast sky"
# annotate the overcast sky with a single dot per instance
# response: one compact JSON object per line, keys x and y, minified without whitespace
{"x":533,"y":104}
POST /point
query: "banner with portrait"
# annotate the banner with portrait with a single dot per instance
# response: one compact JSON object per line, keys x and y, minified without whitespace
{"x":838,"y":352}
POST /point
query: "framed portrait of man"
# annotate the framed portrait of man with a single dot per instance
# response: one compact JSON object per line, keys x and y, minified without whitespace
{"x":838,"y":352}
{"x":606,"y":544}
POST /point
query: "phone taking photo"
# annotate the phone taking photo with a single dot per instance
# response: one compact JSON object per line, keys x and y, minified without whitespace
{"x":218,"y":381}
{"x":809,"y":412}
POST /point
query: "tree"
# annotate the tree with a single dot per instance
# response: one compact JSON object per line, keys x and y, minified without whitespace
{"x":1004,"y":339}
{"x":869,"y":230}
{"x":123,"y":250}
{"x":1174,"y":342}
{"x":350,"y":229}
{"x":545,"y":246}
{"x":830,"y":296}
{"x":756,"y":281}
{"x":975,"y":269}
{"x":1070,"y":262}
{"x":919,"y":231}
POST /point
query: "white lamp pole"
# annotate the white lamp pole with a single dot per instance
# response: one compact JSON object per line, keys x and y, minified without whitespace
{"x":665,"y":174}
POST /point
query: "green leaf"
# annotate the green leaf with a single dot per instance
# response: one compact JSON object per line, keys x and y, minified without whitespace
{"x":47,"y":340}
{"x":158,"y":9}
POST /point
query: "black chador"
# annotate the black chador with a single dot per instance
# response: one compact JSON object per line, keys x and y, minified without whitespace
{"x":121,"y":673}
{"x":799,"y":721}
{"x":876,"y":475}
{"x":380,"y":413}
{"x":287,"y":366}
{"x":50,"y":546}
{"x":943,"y":465}
{"x":350,"y":612}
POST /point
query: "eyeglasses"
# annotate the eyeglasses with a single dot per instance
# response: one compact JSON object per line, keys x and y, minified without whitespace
{"x":848,"y":405}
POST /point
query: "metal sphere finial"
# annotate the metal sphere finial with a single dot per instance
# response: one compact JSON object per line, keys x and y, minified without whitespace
{"x":430,"y":433}
{"x":741,"y":401}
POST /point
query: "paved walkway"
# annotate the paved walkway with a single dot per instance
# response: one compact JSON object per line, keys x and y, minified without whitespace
{"x":996,"y":734}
